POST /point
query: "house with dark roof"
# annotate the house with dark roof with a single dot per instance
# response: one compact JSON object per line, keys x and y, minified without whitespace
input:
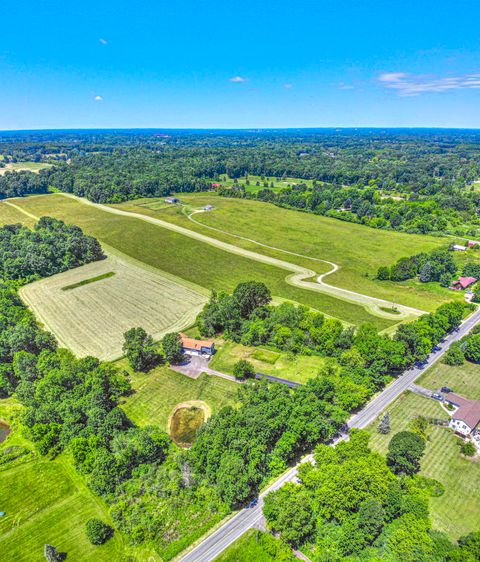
{"x":172,"y":200}
{"x":465,"y":416}
{"x":462,"y":283}
{"x":191,"y":346}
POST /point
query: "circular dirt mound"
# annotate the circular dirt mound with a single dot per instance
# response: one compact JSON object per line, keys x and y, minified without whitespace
{"x":186,"y":419}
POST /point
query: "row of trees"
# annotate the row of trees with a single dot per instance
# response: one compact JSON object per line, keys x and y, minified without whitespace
{"x":438,"y":265}
{"x":51,"y":247}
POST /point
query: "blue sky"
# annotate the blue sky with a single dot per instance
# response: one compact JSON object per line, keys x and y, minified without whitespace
{"x":243,"y":63}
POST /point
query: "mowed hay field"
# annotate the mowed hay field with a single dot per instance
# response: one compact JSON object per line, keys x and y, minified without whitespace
{"x":157,"y":393}
{"x":91,"y":319}
{"x":457,"y":511}
{"x":357,"y":249}
{"x":189,"y":259}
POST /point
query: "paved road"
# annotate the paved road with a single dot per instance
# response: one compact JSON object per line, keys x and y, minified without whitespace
{"x":217,"y":542}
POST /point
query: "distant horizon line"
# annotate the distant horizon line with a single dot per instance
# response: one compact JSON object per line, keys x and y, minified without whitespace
{"x":242,"y":129}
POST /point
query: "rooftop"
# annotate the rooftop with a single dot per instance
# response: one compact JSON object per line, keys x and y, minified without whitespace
{"x":191,"y":343}
{"x":468,"y":410}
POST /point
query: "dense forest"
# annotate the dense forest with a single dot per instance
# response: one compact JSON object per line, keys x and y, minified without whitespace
{"x":412,"y":180}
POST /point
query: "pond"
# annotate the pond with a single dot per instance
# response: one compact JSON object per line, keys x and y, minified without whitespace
{"x":184,"y":424}
{"x":4,"y":430}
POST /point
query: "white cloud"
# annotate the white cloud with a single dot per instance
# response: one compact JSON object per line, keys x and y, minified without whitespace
{"x":98,"y":98}
{"x":238,"y":79}
{"x":288,"y":86}
{"x":103,"y":41}
{"x":416,"y":84}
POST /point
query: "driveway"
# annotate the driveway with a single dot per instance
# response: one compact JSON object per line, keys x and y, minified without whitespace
{"x":194,"y":365}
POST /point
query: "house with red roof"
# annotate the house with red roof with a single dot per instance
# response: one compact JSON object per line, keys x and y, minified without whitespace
{"x":465,"y":418}
{"x":462,"y":283}
{"x":191,"y":346}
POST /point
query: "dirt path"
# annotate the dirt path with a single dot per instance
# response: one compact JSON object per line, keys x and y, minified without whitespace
{"x":299,"y":276}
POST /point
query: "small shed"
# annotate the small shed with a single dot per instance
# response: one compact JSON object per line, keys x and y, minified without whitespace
{"x":208,"y":207}
{"x":459,"y":248}
{"x":172,"y":200}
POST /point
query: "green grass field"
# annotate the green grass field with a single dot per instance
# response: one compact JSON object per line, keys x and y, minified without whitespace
{"x":10,"y":215}
{"x":158,"y":392}
{"x":359,"y":250}
{"x":464,"y":379}
{"x":47,"y":501}
{"x":254,"y":546}
{"x":28,"y":166}
{"x":190,"y":259}
{"x":252,"y":186}
{"x":457,"y":512}
{"x":299,"y":369}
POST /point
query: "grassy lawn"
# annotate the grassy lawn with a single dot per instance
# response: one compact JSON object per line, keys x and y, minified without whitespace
{"x":189,"y":259}
{"x":464,"y":379}
{"x":253,"y":546}
{"x":457,"y":512}
{"x":47,"y":501}
{"x":28,"y":166}
{"x":358,"y":249}
{"x":266,"y":361}
{"x":253,"y":188}
{"x":158,"y":392}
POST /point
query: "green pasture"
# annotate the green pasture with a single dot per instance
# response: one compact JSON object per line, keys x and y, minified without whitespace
{"x":357,"y":249}
{"x":47,"y":501}
{"x":11,"y":215}
{"x":155,"y":394}
{"x":251,"y":185}
{"x":190,"y":259}
{"x":298,"y":369}
{"x":463,"y":379}
{"x":457,"y":511}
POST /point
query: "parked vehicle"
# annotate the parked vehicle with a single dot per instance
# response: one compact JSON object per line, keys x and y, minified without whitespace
{"x":446,"y":389}
{"x":437,"y":396}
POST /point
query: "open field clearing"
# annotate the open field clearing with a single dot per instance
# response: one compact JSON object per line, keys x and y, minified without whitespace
{"x":194,"y":260}
{"x":457,"y":511}
{"x":463,"y":379}
{"x":252,"y":186}
{"x":91,"y":317}
{"x":357,"y":249}
{"x":299,"y":369}
{"x":48,"y":502}
{"x":24,"y":166}
{"x":159,"y":392}
{"x":10,"y":215}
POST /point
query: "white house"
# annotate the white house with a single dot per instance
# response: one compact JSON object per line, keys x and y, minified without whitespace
{"x":465,"y":416}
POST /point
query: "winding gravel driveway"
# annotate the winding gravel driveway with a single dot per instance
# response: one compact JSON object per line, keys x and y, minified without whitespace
{"x":300,"y":276}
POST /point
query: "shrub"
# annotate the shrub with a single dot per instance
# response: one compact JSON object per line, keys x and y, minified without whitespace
{"x":404,"y":452}
{"x":97,"y":531}
{"x":468,"y":449}
{"x":454,"y":355}
{"x":383,"y":273}
{"x":243,"y":369}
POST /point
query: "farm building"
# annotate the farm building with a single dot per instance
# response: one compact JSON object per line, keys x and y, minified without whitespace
{"x":216,"y":185}
{"x":191,"y":346}
{"x":473,"y":243}
{"x":208,"y":207}
{"x":458,"y":248}
{"x":462,"y":283}
{"x":465,"y":416}
{"x":172,"y":200}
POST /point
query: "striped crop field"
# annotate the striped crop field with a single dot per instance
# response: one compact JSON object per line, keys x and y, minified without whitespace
{"x":106,"y":298}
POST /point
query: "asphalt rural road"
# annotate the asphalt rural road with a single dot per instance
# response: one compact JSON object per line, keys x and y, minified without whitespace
{"x":213,"y":545}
